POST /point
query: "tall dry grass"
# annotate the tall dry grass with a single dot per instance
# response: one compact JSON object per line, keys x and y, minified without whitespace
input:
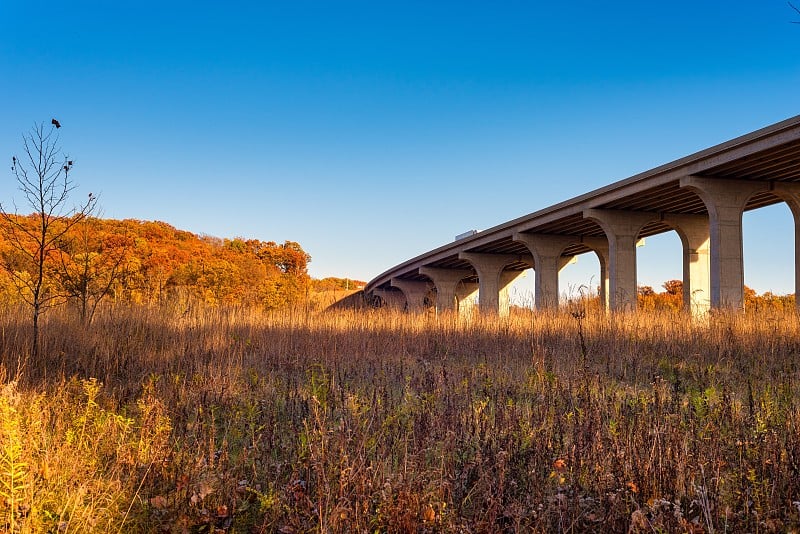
{"x":230,"y":420}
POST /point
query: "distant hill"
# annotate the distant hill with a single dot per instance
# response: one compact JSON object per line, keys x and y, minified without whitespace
{"x":329,"y":291}
{"x":336,"y":284}
{"x":151,"y":261}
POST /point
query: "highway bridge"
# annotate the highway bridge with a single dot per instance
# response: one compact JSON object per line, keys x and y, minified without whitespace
{"x":701,"y":197}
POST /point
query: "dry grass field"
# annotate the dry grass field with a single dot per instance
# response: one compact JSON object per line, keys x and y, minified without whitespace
{"x":227,"y":420}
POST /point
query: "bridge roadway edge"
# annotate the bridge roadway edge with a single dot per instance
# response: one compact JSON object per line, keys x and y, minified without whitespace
{"x":743,"y":150}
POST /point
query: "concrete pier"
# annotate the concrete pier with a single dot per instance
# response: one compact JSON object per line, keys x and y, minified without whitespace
{"x":701,"y":197}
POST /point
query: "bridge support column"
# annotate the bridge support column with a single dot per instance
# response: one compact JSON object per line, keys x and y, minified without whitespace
{"x":466,"y":294}
{"x":790,"y":193}
{"x":621,"y":229}
{"x":415,"y":293}
{"x":725,"y":201}
{"x":600,"y":247}
{"x":493,"y":280}
{"x":547,"y":262}
{"x":694,"y":233}
{"x":447,"y":284}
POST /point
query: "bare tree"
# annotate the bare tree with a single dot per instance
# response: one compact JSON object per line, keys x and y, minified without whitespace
{"x":42,"y":176}
{"x":798,"y":12}
{"x":90,"y":263}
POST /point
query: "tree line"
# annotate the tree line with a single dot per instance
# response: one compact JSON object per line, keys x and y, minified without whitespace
{"x":64,"y":253}
{"x":147,"y":262}
{"x":671,"y":298}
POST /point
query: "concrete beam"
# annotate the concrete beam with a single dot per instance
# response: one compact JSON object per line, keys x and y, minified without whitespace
{"x":747,"y":153}
{"x":621,"y":229}
{"x":725,"y":201}
{"x":447,"y":284}
{"x":414,"y":291}
{"x":493,"y":279}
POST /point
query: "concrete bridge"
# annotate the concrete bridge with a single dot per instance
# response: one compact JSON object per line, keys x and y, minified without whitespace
{"x":701,"y":197}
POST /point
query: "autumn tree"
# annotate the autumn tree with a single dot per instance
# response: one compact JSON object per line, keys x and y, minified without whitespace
{"x":673,"y":287}
{"x":290,"y":284}
{"x":147,"y":262}
{"x":646,"y":297}
{"x":646,"y":291}
{"x":90,"y":263}
{"x":43,"y":177}
{"x":671,"y":298}
{"x":332,"y":283}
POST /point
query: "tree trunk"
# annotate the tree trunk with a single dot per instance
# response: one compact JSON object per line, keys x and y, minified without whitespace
{"x":36,"y":331}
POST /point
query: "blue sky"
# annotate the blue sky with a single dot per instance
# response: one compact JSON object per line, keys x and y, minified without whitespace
{"x":370,"y":132}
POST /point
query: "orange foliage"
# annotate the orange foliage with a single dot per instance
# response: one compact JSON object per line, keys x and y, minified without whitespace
{"x":161,"y":263}
{"x":754,"y":303}
{"x":333,"y":284}
{"x":670,"y":299}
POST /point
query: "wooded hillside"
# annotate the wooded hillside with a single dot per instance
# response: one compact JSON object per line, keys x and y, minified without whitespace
{"x":148,"y":262}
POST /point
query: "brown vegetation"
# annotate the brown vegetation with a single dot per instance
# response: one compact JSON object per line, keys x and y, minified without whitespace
{"x":334,"y":292}
{"x":224,"y":419}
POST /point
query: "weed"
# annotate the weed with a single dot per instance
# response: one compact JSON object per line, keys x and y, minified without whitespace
{"x":230,"y":419}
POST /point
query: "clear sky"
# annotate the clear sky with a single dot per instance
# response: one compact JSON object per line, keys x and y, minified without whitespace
{"x":373,"y":131}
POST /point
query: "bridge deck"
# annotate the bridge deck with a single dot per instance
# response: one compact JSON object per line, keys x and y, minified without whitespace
{"x":771,"y":154}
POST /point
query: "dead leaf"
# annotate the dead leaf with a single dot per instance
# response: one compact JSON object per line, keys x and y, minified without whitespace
{"x":159,"y":502}
{"x":429,"y":515}
{"x":204,"y":489}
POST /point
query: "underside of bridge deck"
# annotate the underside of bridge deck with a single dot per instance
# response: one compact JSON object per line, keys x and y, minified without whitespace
{"x":768,"y":159}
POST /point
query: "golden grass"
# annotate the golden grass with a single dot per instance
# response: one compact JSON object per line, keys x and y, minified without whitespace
{"x":233,"y":420}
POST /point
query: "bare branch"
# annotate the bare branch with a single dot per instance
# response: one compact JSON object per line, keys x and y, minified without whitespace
{"x":43,"y":178}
